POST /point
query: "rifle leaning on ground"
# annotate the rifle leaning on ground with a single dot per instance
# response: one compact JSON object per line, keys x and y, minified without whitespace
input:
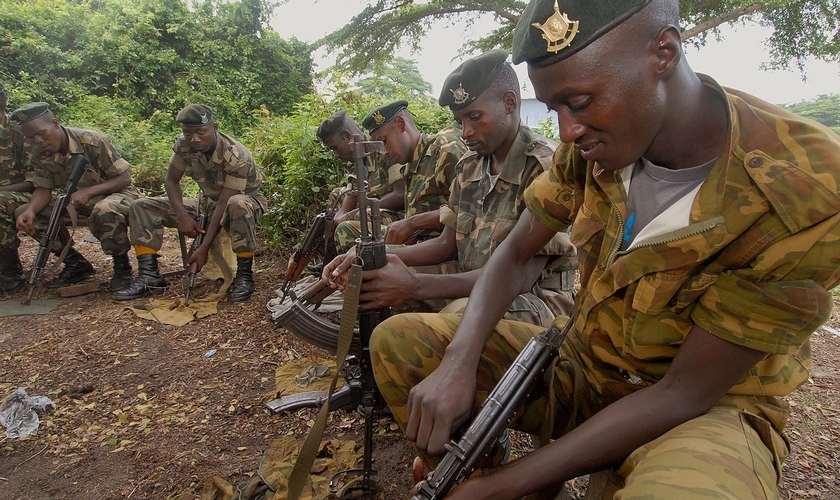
{"x":319,"y":236}
{"x":76,"y":165}
{"x":199,"y":238}
{"x":359,"y":390}
{"x":464,"y":456}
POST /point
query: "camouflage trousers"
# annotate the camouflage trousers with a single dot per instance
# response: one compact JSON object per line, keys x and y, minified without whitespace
{"x":347,"y":232}
{"x":729,"y":452}
{"x":150,"y":215}
{"x":10,"y":201}
{"x":107,"y":219}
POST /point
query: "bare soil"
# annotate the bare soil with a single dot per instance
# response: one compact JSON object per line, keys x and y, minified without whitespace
{"x":145,"y":411}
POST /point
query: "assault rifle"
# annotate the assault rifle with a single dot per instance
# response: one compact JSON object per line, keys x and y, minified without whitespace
{"x":199,"y":238}
{"x":463,"y":457}
{"x":319,"y":236}
{"x":76,"y":165}
{"x":359,"y":390}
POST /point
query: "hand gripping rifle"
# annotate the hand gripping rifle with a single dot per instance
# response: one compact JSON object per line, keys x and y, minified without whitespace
{"x":359,"y":390}
{"x":199,"y":237}
{"x":76,"y":165}
{"x":463,"y":457}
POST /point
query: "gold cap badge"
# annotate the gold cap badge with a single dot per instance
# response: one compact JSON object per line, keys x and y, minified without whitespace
{"x":460,"y":95}
{"x":378,"y":118}
{"x":558,"y":30}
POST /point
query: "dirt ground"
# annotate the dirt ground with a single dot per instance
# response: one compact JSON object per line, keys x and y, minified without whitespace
{"x":149,"y":411}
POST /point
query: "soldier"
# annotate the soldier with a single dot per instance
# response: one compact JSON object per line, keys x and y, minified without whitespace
{"x":707,"y":224}
{"x":227,"y":177}
{"x":15,"y":191}
{"x":103,"y":193}
{"x":486,"y":200}
{"x":336,"y":132}
{"x":428,"y":164}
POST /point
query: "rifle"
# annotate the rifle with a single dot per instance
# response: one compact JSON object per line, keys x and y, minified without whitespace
{"x":359,"y":390}
{"x":76,"y":164}
{"x":319,"y":233}
{"x":496,"y":413}
{"x":199,"y":237}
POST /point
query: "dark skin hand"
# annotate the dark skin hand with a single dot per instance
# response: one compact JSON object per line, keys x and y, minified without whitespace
{"x":19,"y":187}
{"x":401,"y":231}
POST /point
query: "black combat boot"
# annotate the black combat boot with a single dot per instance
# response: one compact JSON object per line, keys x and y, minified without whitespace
{"x":11,"y":272}
{"x":76,"y":268}
{"x":148,"y":280}
{"x":122,"y":273}
{"x":243,"y":282}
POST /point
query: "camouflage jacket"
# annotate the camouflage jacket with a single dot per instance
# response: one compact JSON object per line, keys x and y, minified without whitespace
{"x":14,"y":154}
{"x":230,"y":166}
{"x":429,"y":174}
{"x":482,"y":213}
{"x":753,"y":263}
{"x":49,"y":170}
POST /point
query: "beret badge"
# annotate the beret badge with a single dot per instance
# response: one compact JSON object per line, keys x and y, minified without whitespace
{"x":460,"y":95}
{"x":205,"y":119}
{"x":379,"y":118}
{"x":558,"y":30}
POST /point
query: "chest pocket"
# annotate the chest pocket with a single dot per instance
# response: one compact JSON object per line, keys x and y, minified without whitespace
{"x":502,"y":228}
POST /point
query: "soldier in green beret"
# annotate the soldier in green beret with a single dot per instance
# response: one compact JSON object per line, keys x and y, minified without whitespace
{"x":336,"y":132}
{"x":15,"y":191}
{"x":228,"y":179}
{"x":103,"y":193}
{"x":424,"y":162}
{"x":486,"y":199}
{"x":706,"y":222}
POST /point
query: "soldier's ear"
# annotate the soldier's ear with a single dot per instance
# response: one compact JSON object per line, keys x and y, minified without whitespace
{"x":346,"y":135}
{"x":510,"y":101}
{"x":399,"y":121}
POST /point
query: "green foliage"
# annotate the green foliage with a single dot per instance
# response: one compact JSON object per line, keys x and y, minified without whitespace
{"x":547,"y":128}
{"x":158,"y":54}
{"x":299,"y":171}
{"x":824,"y":109}
{"x":393,"y":78}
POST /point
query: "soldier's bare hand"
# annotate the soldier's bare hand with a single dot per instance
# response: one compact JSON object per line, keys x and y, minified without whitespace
{"x":398,"y":232}
{"x":388,"y":286}
{"x":198,"y":258}
{"x":25,"y":222}
{"x":335,"y":272}
{"x":80,"y":198}
{"x":188,"y":226}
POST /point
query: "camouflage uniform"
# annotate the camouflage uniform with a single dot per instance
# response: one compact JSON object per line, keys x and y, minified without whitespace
{"x":428,"y":177}
{"x":14,"y":162}
{"x":753,"y":267}
{"x":231,"y":166}
{"x":107,"y":214}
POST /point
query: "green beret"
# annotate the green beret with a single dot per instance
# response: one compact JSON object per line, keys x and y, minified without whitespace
{"x":382,"y":115}
{"x":195,"y":115}
{"x":29,"y":112}
{"x":546,"y":34}
{"x":331,"y":126}
{"x":471,"y":78}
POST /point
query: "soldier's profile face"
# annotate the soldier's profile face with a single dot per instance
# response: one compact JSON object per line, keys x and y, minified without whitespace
{"x":44,"y":131}
{"x":607,"y":99}
{"x":201,"y":139}
{"x":484,"y":124}
{"x":340,"y":147}
{"x":397,"y":148}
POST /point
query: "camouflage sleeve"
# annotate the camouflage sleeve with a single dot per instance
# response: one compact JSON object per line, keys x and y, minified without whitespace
{"x":236,"y":171}
{"x":176,"y":162}
{"x":551,"y":199}
{"x":40,"y":174}
{"x":776,"y":303}
{"x":109,"y":162}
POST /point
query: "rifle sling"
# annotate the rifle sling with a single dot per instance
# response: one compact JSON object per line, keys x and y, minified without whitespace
{"x":306,"y":457}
